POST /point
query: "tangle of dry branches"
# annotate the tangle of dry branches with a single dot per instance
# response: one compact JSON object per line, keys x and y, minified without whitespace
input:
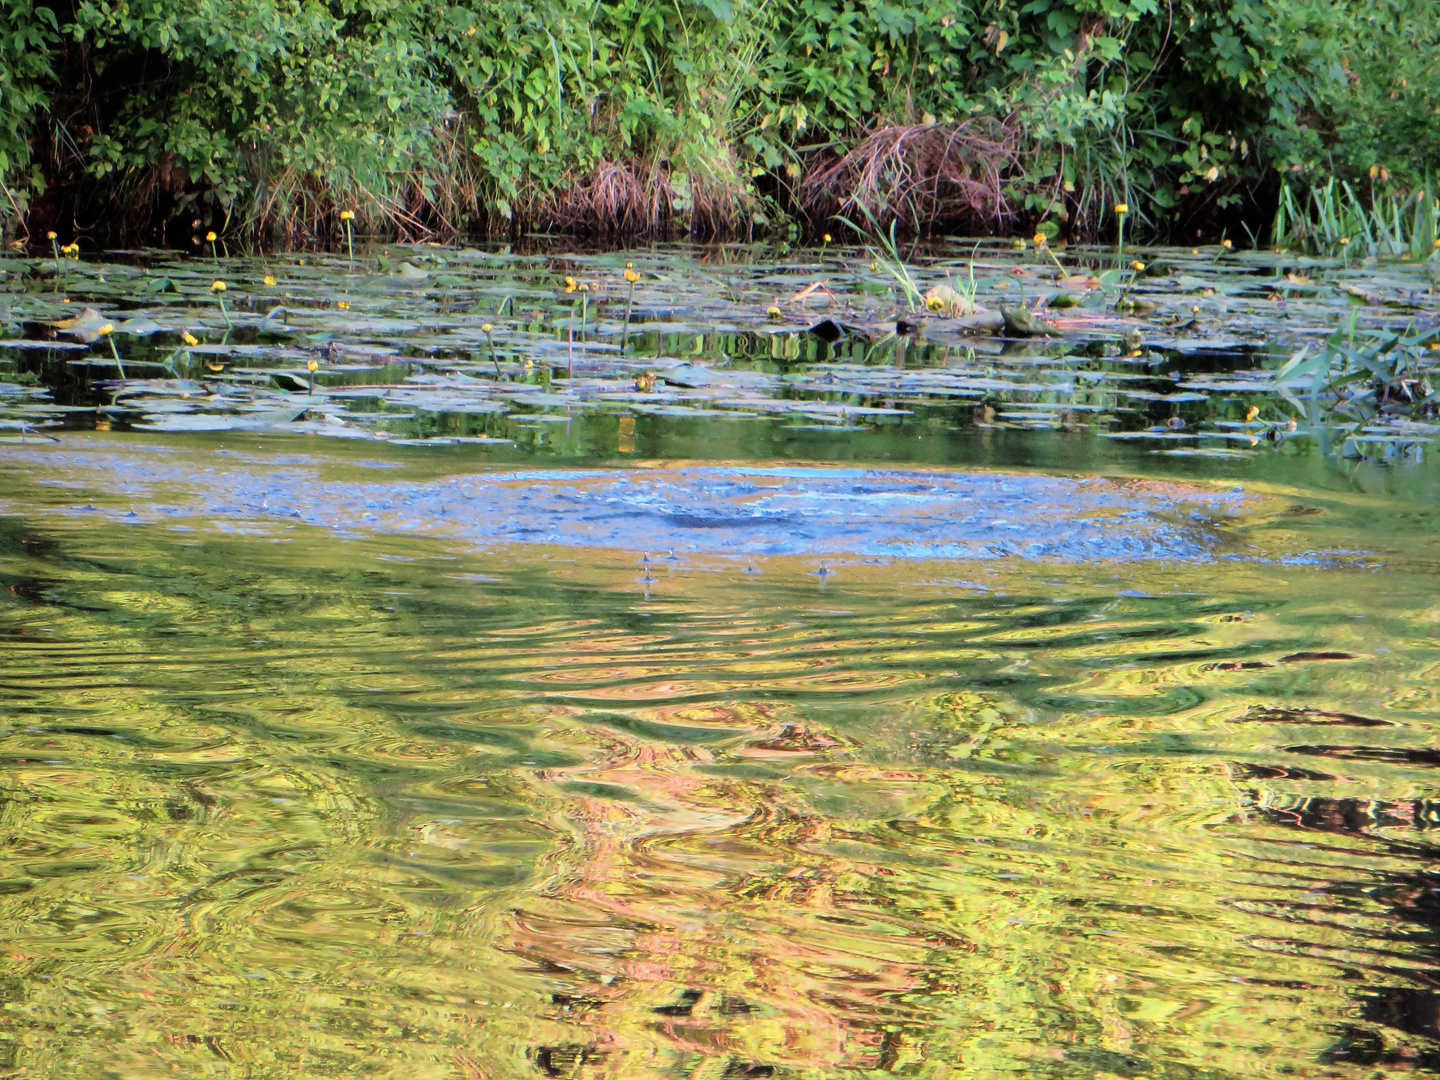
{"x":918,"y":175}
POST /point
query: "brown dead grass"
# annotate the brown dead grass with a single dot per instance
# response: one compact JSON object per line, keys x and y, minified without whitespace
{"x":918,"y":175}
{"x":643,"y":197}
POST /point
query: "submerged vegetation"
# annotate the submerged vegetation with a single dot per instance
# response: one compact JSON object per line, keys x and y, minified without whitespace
{"x":167,"y":118}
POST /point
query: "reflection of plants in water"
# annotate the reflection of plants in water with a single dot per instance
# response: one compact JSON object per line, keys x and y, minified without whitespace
{"x":398,"y":824}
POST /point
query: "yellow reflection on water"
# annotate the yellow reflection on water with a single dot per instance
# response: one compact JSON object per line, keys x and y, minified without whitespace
{"x":343,"y":808}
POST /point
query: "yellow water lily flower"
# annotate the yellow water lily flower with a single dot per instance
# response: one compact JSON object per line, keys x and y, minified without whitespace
{"x":1040,"y":239}
{"x":269,"y":280}
{"x":108,"y":328}
{"x":347,"y":215}
{"x":631,"y":276}
{"x":312,"y":365}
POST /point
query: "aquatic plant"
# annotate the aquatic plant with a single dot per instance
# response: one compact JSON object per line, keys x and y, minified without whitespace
{"x":486,"y":328}
{"x":631,"y":277}
{"x":884,"y":251}
{"x":1356,"y":381}
{"x":346,"y":216}
{"x":1334,"y":219}
{"x":217,"y":289}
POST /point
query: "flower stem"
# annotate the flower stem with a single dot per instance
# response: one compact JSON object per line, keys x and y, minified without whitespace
{"x":116,"y":353}
{"x":625,"y":332}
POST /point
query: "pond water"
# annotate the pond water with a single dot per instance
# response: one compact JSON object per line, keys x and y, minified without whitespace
{"x":939,"y":705}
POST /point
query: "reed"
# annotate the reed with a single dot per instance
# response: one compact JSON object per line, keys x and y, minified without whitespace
{"x":1334,"y":219}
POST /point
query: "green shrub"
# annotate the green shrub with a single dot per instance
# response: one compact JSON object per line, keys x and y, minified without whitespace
{"x":642,"y":114}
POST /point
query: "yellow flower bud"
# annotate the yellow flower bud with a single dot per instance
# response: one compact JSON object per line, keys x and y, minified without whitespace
{"x":827,"y":238}
{"x":269,"y":280}
{"x":1122,"y":208}
{"x":631,"y":276}
{"x":210,"y":237}
{"x":189,"y":338}
{"x":346,"y":215}
{"x":108,"y":328}
{"x":1227,"y":244}
{"x":312,"y":365}
{"x":217,"y":286}
{"x":485,"y":328}
{"x":1040,"y":239}
{"x":50,"y":235}
{"x":1136,"y":265}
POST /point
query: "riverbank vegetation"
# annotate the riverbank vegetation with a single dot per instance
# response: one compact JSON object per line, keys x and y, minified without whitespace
{"x":160,"y":120}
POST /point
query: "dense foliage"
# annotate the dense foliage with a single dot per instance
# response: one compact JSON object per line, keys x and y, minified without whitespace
{"x":637,"y":113}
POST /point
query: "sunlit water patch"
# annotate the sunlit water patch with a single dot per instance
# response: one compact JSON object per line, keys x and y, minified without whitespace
{"x":735,"y":510}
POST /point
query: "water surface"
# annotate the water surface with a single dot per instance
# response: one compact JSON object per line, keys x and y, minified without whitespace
{"x":947,"y":745}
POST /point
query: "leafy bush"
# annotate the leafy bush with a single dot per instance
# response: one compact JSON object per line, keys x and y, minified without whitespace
{"x":643,"y":114}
